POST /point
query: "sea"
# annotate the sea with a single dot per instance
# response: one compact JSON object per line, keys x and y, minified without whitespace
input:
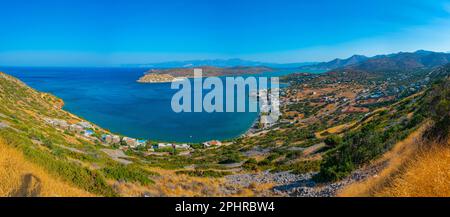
{"x":112,"y":99}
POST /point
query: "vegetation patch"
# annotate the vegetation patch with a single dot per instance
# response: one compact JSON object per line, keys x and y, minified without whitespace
{"x":128,"y":173}
{"x":204,"y":173}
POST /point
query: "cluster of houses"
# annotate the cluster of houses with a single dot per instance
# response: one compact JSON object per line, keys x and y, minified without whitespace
{"x":84,"y":128}
{"x":169,"y":145}
{"x":127,"y":142}
{"x":269,"y":107}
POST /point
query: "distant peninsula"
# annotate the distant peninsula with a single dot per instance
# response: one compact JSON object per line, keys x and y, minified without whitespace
{"x":168,"y":75}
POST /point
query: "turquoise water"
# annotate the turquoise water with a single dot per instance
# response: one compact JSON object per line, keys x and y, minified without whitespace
{"x":112,"y":99}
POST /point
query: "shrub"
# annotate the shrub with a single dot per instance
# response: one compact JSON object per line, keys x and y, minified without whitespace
{"x":333,"y":141}
{"x":250,"y":164}
{"x":128,"y":173}
{"x":230,"y":157}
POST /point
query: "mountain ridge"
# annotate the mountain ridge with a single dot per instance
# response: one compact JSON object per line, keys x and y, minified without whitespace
{"x":401,"y":61}
{"x":222,"y":63}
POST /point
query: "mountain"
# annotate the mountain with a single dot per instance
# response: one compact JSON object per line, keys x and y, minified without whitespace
{"x":336,"y":63}
{"x":217,"y":63}
{"x":403,"y":61}
{"x":400,"y":62}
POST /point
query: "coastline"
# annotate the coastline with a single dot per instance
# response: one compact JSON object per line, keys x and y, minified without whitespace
{"x":86,"y":94}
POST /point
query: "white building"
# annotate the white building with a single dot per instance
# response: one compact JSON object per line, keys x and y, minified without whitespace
{"x":85,"y":125}
{"x":182,"y":146}
{"x":130,"y":142}
{"x":76,"y":128}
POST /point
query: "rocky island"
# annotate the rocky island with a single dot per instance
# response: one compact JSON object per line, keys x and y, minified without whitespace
{"x":167,"y":75}
{"x":156,"y":78}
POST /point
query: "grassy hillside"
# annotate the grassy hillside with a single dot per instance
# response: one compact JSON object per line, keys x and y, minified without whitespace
{"x":414,"y":168}
{"x":418,"y":165}
{"x":19,"y":177}
{"x":387,"y":127}
{"x":70,"y":157}
{"x":427,"y":174}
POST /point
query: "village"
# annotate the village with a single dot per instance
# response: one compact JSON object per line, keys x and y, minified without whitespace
{"x":336,"y":99}
{"x":90,"y":132}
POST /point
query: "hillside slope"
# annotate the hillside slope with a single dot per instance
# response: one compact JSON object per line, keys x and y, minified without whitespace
{"x":426,"y":175}
{"x":20,"y":178}
{"x":414,"y":168}
{"x":64,"y":154}
{"x":418,"y":166}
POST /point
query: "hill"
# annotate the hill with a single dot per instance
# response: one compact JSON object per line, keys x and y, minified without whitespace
{"x":400,"y":62}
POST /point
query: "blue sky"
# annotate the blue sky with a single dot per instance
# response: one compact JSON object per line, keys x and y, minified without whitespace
{"x":113,"y":32}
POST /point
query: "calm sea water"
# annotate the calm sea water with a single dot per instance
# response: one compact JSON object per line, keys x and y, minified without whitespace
{"x":112,"y":99}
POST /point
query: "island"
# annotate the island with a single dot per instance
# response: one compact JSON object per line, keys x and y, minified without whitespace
{"x":156,"y":78}
{"x":168,"y":75}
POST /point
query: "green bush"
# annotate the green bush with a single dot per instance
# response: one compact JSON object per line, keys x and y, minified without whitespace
{"x":299,"y":167}
{"x":250,"y":164}
{"x":333,"y":141}
{"x":128,"y":173}
{"x":230,"y":157}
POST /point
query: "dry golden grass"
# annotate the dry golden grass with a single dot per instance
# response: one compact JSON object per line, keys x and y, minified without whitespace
{"x":428,"y":175}
{"x":413,"y":169}
{"x":19,"y":177}
{"x":170,"y":184}
{"x":336,"y":129}
{"x":394,"y":159}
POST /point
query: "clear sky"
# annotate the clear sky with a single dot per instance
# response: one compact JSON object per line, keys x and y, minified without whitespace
{"x":112,"y":32}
